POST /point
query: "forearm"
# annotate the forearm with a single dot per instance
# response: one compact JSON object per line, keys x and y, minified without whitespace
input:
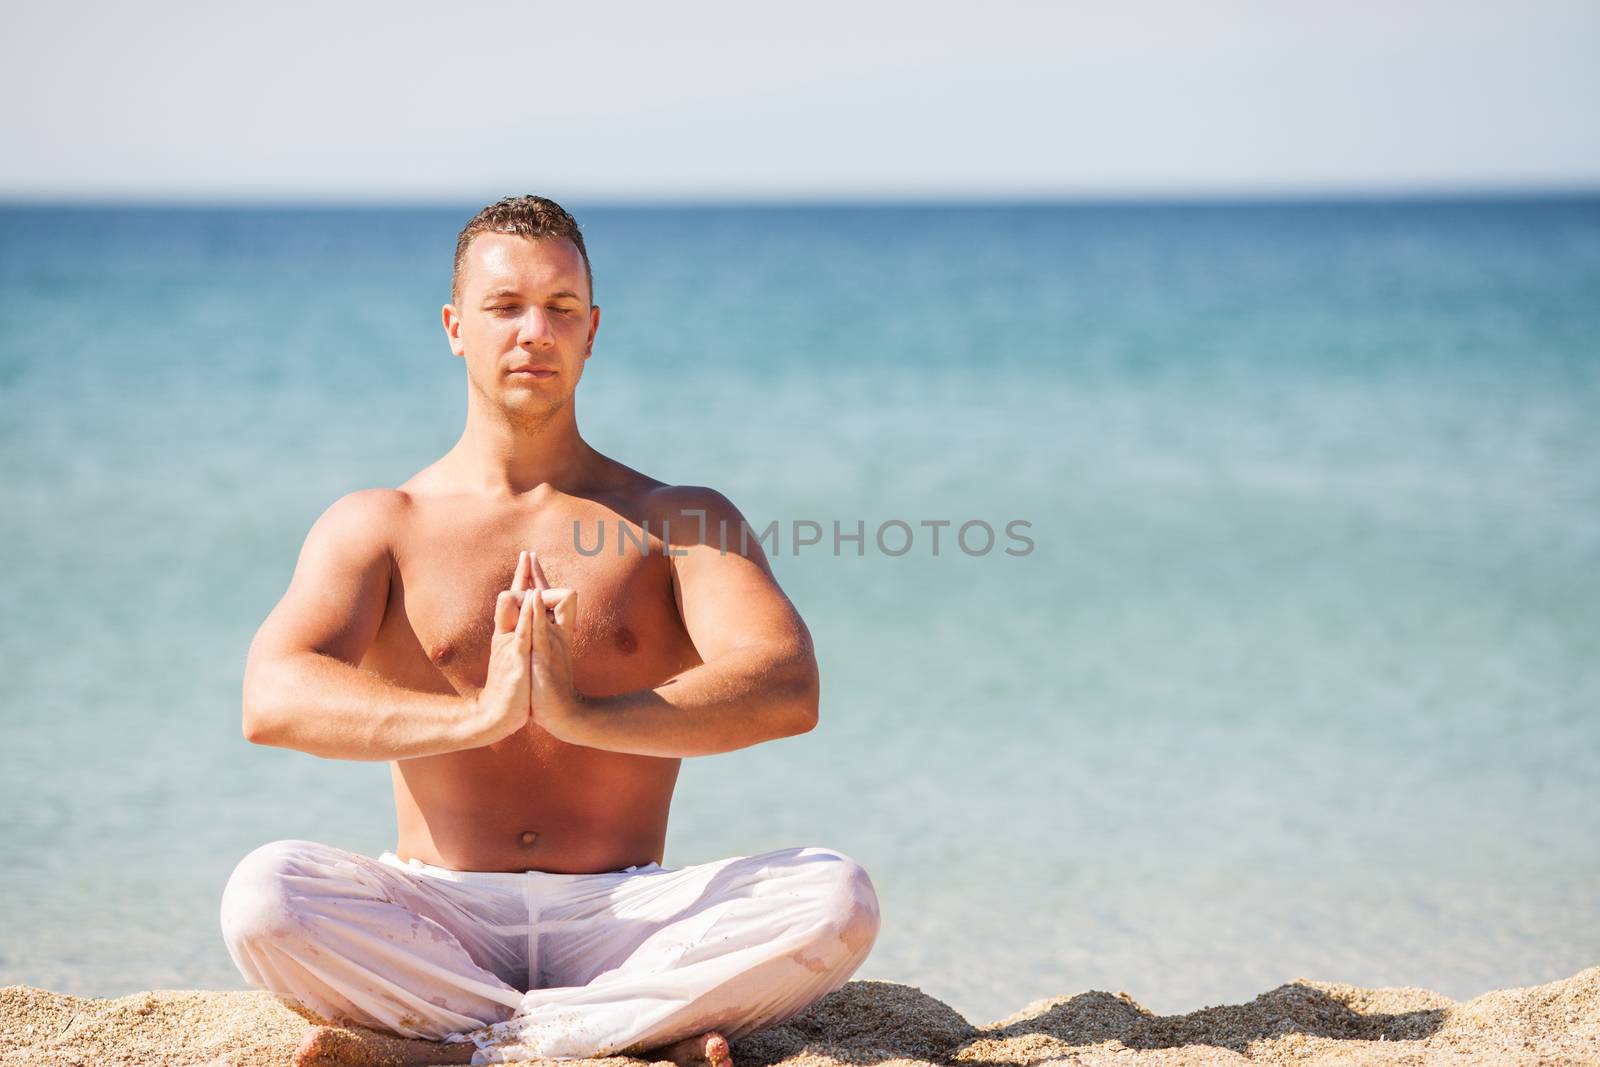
{"x":323,"y":706}
{"x":742,"y":698}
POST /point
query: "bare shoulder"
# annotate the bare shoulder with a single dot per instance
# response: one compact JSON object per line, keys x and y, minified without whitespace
{"x":363,"y":521}
{"x":368,"y":509}
{"x":691,"y":516}
{"x":706,"y":531}
{"x":689,"y":503}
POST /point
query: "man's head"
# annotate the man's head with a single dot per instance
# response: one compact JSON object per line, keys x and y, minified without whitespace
{"x":521,"y":314}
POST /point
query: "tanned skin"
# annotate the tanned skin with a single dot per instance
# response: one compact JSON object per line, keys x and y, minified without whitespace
{"x":533,"y":702}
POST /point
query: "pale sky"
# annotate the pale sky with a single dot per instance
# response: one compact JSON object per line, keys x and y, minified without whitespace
{"x":826,"y":100}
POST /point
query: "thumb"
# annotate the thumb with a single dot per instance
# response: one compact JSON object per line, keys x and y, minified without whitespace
{"x":566,"y":610}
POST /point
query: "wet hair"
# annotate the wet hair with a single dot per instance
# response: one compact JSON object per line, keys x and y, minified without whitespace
{"x":533,"y":217}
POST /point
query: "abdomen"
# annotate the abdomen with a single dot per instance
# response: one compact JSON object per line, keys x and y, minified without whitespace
{"x":587,"y":810}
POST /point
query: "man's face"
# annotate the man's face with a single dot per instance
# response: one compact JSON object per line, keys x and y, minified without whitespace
{"x":523,"y":323}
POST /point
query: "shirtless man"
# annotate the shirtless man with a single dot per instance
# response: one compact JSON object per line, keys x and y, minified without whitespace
{"x":534,"y":702}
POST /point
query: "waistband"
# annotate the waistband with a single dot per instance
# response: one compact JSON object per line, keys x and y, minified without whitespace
{"x":503,"y":878}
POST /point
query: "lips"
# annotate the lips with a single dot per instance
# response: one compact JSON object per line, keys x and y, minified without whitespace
{"x":534,"y":372}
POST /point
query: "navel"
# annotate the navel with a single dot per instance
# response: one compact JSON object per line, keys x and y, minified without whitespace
{"x":529,"y":837}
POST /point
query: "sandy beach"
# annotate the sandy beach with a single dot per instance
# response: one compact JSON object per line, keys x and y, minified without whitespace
{"x":1302,"y":1021}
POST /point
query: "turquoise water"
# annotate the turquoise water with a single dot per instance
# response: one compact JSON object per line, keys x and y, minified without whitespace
{"x":1302,"y":676}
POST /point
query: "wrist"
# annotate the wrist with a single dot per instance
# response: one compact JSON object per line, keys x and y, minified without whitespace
{"x":470,"y":721}
{"x":565,"y":717}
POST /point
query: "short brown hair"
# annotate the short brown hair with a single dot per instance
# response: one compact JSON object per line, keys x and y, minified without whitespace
{"x":533,"y":217}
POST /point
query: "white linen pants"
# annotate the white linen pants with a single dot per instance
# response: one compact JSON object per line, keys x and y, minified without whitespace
{"x":549,"y":965}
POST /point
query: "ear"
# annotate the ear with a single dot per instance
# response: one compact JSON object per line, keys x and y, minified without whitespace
{"x":452,"y":329}
{"x":594,"y":328}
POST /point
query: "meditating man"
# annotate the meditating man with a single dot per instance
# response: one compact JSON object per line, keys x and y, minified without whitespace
{"x":534,"y":697}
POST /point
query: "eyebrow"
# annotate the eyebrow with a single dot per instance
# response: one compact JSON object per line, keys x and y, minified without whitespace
{"x":498,"y":293}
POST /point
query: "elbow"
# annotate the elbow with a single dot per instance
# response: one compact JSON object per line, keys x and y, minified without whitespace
{"x":254,"y":722}
{"x":257,"y":705}
{"x":805,"y":719}
{"x":255,"y":728}
{"x":806,"y":701}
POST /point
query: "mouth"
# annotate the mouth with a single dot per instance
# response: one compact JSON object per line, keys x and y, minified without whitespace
{"x":533,"y":373}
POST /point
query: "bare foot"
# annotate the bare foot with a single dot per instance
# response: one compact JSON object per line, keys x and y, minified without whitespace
{"x":710,"y":1049}
{"x":329,"y":1046}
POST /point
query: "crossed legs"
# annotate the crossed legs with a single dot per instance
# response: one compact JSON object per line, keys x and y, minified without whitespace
{"x":505,"y":967}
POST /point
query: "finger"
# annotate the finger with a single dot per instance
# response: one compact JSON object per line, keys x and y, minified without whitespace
{"x":528,"y":621}
{"x":566,"y":610}
{"x":519,"y":580}
{"x":540,"y":582}
{"x":541,"y":630}
{"x":505,"y":612}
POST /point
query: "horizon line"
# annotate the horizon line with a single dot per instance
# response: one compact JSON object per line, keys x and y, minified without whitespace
{"x":1364,"y":194}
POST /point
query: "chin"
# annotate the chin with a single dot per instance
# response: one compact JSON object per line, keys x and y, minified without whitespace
{"x":531,"y":406}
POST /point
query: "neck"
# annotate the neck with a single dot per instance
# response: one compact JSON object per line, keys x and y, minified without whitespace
{"x":501,"y":455}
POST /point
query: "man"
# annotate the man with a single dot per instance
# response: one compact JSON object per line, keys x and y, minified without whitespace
{"x":534,"y":702}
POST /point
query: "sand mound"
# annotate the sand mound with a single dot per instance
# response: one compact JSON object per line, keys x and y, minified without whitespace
{"x":1309,"y":1022}
{"x":889,"y":1025}
{"x":865,"y":1022}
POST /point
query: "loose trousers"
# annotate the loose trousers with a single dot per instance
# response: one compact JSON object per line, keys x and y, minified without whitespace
{"x":536,"y":965}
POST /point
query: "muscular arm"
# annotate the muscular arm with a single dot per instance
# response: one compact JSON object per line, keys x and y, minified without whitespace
{"x":758,"y":677}
{"x":303,"y":686}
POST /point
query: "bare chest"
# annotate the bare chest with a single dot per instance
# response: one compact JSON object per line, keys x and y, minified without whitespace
{"x":451,"y":567}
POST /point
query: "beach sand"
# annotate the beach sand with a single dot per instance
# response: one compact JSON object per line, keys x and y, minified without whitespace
{"x":881,"y":1023}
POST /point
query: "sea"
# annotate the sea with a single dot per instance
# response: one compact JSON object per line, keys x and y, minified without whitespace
{"x":1207,"y":595}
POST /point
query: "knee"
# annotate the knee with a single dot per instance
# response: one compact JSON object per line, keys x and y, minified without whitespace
{"x":266,"y":898}
{"x":849,"y":906}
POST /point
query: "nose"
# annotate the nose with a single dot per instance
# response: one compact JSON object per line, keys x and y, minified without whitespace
{"x":535,"y":329}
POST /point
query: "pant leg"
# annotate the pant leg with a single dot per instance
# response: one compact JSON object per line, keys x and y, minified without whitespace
{"x":357,"y":940}
{"x":736,"y":945}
